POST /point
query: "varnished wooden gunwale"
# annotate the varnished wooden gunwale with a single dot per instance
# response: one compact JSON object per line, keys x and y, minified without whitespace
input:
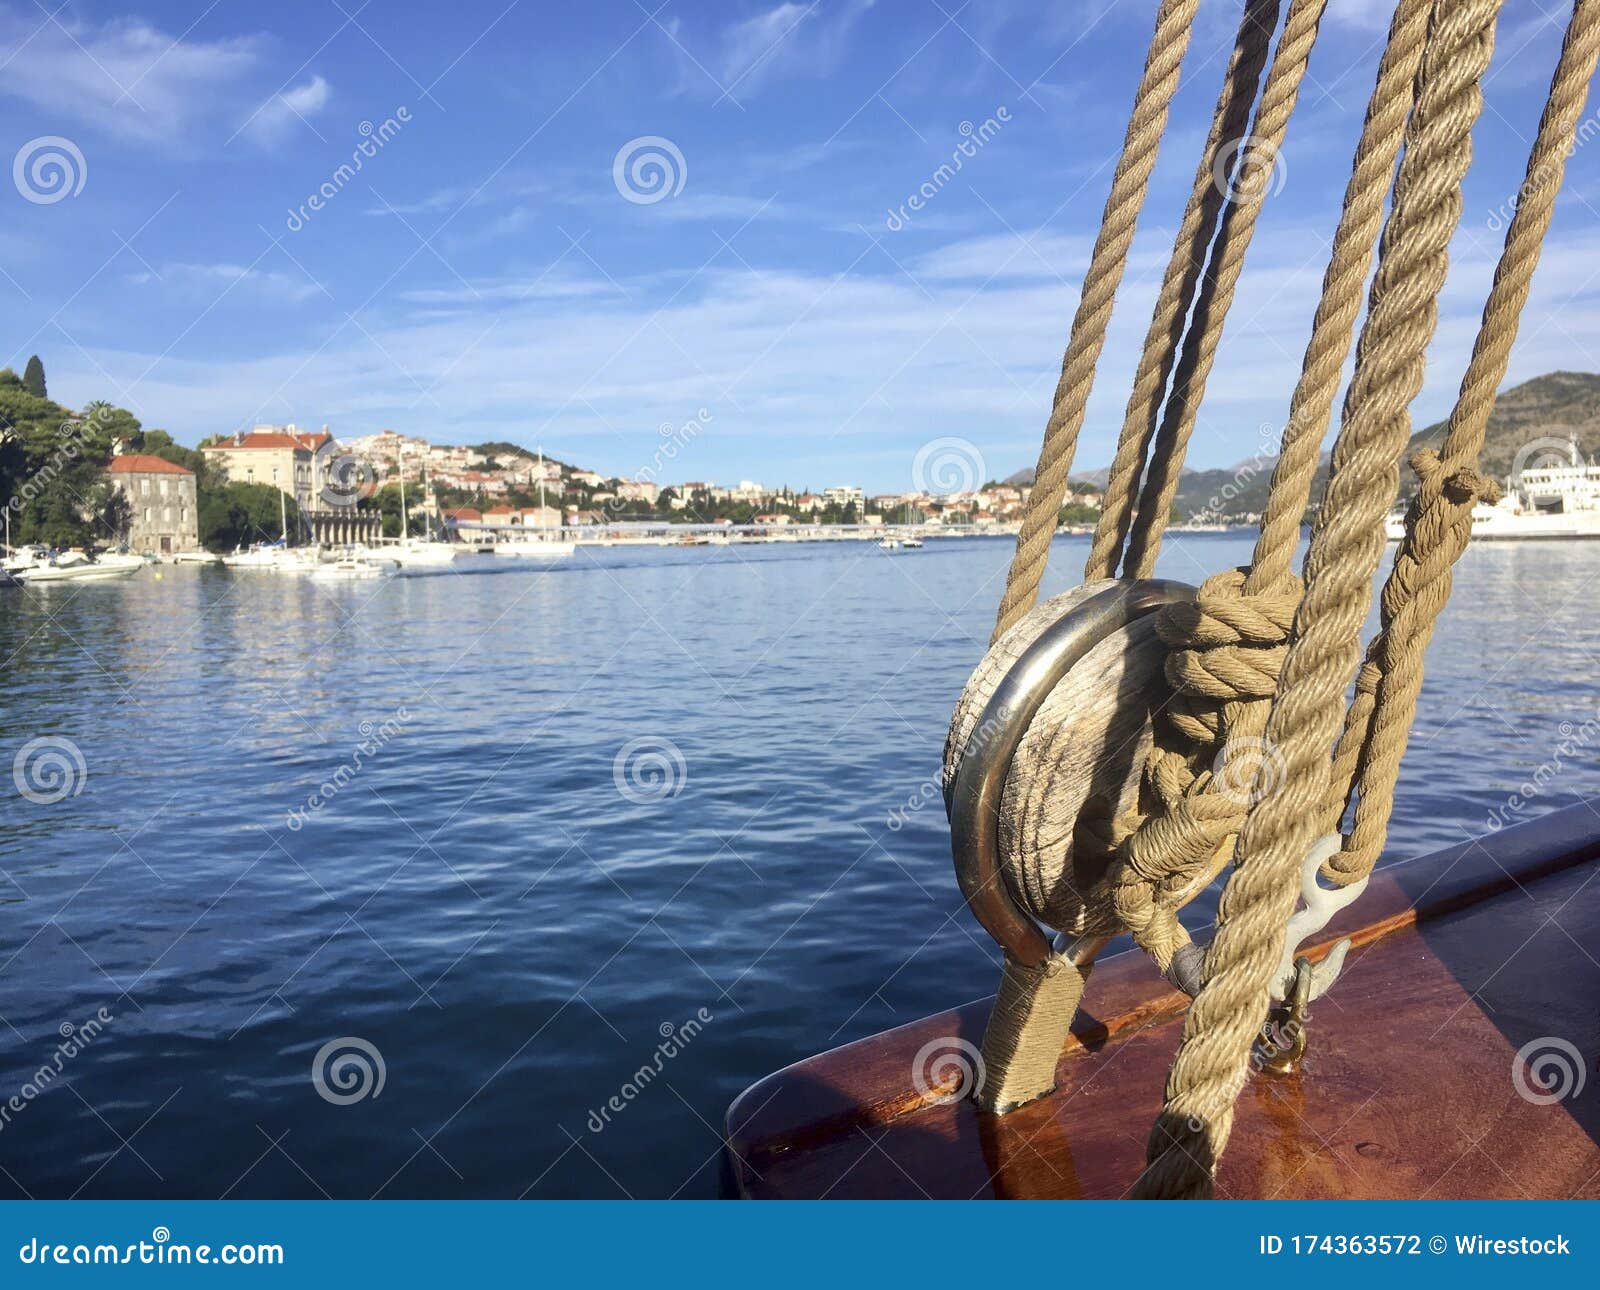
{"x":854,"y":1111}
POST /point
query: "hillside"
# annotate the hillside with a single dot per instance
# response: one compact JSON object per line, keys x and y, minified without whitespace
{"x":1555,"y":405}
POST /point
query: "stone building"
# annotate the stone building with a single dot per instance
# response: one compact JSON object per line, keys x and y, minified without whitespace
{"x":161,"y":498}
{"x":326,"y":482}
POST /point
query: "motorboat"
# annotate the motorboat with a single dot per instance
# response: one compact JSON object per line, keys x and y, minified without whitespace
{"x":348,"y":569}
{"x":76,"y":566}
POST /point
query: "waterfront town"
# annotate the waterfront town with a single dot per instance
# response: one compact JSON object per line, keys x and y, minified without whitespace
{"x":98,"y":481}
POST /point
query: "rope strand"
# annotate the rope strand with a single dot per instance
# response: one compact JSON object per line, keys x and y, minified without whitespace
{"x":1129,"y":187}
{"x":1220,"y":1028}
{"x":1183,"y":276}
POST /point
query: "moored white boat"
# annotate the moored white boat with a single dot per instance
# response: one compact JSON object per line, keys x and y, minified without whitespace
{"x":1552,"y":499}
{"x":534,"y":549}
{"x":74,"y":566}
{"x":348,"y":569}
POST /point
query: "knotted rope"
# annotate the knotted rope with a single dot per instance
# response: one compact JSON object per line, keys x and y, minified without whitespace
{"x":1203,"y":818}
{"x":1258,"y":664}
{"x":1439,"y":522}
{"x":1220,"y":1028}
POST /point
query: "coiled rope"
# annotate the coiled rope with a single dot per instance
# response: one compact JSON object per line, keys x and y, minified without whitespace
{"x":1256,"y":659}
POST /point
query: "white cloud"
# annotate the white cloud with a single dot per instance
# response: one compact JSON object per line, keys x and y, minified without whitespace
{"x":126,"y":78}
{"x":131,"y":81}
{"x":209,"y":283}
{"x":804,"y":370}
{"x":291,"y":106}
{"x":790,"y":39}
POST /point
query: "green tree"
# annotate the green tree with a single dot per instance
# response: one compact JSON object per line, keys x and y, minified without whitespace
{"x":241,"y":514}
{"x":33,"y":378}
{"x":52,"y":464}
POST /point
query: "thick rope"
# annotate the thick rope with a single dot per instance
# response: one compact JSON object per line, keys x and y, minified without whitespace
{"x":1184,"y":274}
{"x":1255,"y":175}
{"x":1146,"y":128}
{"x":1439,"y":524}
{"x":1223,"y":728}
{"x":1221,"y":1026}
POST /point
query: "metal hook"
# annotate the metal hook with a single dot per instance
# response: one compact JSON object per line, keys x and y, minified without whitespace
{"x":1320,"y":905}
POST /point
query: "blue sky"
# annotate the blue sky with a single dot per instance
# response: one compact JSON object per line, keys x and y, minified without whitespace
{"x":485,"y":275}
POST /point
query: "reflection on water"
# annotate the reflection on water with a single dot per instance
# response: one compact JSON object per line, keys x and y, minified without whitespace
{"x":547,"y":844}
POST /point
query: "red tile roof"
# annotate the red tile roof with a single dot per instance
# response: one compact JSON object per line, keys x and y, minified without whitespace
{"x":139,"y":463}
{"x":273,"y":440}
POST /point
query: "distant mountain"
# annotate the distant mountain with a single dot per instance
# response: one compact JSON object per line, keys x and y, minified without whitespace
{"x":1555,"y":406}
{"x":1560,"y":405}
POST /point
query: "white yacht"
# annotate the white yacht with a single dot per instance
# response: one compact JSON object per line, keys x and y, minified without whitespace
{"x":275,"y":557}
{"x":418,"y":554}
{"x":279,"y":556}
{"x":75,"y":566}
{"x":544,"y":546}
{"x":1556,"y":495}
{"x":350,"y":568}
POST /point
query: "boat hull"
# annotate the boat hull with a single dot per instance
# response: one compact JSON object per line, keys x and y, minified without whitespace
{"x":1407,"y":1090}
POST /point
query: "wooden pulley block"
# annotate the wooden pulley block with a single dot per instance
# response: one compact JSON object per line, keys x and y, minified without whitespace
{"x":1059,"y":712}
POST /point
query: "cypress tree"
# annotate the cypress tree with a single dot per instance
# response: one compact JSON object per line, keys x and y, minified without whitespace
{"x":33,"y":378}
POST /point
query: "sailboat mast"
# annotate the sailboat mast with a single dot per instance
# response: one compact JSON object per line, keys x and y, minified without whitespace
{"x":405,"y":518}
